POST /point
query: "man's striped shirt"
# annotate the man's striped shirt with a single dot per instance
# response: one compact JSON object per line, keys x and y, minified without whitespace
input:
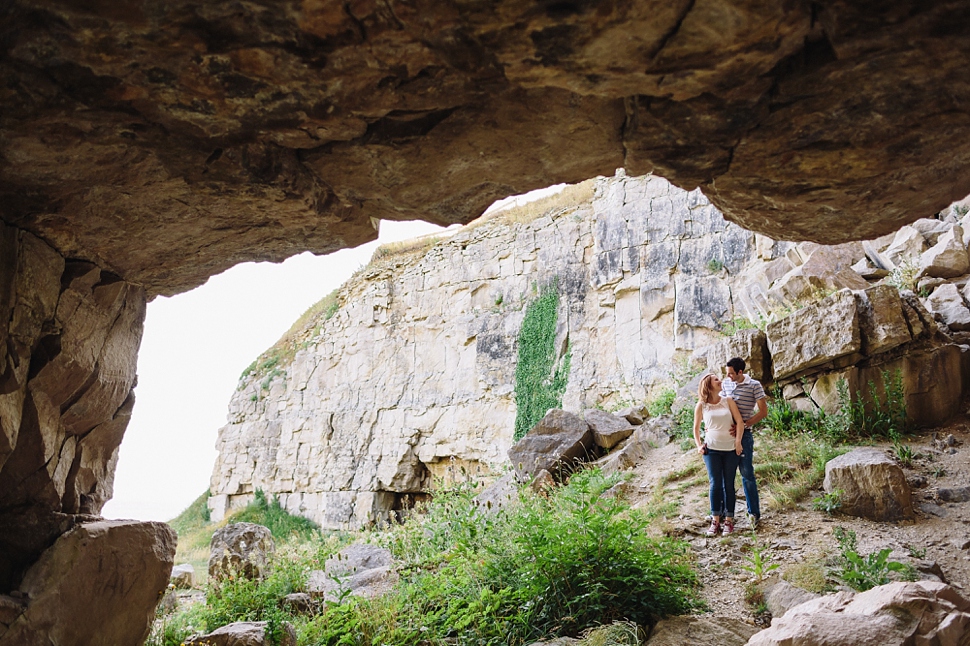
{"x":746,"y":395}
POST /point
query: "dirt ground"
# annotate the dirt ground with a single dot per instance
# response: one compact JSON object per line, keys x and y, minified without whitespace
{"x":800,"y":541}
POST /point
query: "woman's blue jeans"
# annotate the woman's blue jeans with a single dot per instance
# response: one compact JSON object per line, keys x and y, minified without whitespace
{"x":722,"y":466}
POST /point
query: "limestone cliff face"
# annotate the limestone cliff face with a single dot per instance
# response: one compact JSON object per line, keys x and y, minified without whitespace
{"x":416,"y":369}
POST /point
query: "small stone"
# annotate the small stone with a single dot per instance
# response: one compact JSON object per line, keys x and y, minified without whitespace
{"x":954,"y":494}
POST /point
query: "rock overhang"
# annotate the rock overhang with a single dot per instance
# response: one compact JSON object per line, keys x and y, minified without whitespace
{"x":169,"y":140}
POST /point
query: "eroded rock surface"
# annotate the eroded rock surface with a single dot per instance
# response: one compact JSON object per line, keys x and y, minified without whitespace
{"x":98,"y":584}
{"x":68,"y":342}
{"x":206,"y":134}
{"x":922,"y":612}
{"x":240,"y":549}
{"x":870,"y":484}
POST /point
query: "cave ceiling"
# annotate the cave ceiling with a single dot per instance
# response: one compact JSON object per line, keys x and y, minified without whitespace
{"x":167,"y":140}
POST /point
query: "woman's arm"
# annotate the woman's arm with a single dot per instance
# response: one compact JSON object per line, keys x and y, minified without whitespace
{"x":739,"y":424}
{"x":698,"y":415}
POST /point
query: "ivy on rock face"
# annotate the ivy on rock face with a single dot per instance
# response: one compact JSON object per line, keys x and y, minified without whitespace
{"x":540,"y":380}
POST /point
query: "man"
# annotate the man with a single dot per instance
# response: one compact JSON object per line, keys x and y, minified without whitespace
{"x":748,"y":394}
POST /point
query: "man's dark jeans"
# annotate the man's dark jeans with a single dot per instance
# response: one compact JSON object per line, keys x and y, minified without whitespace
{"x":746,"y":467}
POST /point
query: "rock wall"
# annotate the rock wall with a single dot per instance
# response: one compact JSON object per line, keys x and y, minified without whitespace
{"x":69,"y":335}
{"x":415,"y":371}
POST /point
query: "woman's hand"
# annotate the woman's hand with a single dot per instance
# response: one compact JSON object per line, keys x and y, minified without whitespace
{"x":700,"y":448}
{"x":738,"y":449}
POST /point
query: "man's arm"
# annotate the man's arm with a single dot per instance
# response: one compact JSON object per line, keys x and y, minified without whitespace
{"x":760,"y":415}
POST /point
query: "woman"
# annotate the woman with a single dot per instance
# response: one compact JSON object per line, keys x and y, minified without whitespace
{"x":721,"y":451}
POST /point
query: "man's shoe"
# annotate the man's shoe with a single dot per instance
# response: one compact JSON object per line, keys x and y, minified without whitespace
{"x":753,"y":521}
{"x":714,"y":529}
{"x":728,"y":528}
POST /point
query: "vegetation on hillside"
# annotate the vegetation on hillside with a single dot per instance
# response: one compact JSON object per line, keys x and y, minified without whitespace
{"x":549,"y":565}
{"x":540,"y":380}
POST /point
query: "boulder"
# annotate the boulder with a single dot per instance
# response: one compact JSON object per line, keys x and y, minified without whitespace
{"x":749,"y":344}
{"x":948,"y":306}
{"x":244,"y":633}
{"x":931,"y":229}
{"x":947,"y":258}
{"x":882,"y":324}
{"x":361,"y":570}
{"x":634,"y":414}
{"x":652,"y":434}
{"x":298,"y":602}
{"x":815,"y":335}
{"x":543,"y":482}
{"x":872,"y":485}
{"x":906,"y":248}
{"x":782,"y":596}
{"x":954,"y":494}
{"x":242,"y":549}
{"x":499,"y":493}
{"x":920,"y":321}
{"x":10,"y":608}
{"x":554,"y":444}
{"x":825,"y":391}
{"x":183,"y":576}
{"x":608,"y":430}
{"x":700,"y":631}
{"x":97,"y":584}
{"x":897,"y":614}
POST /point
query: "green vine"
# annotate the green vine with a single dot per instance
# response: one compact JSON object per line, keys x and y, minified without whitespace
{"x":539,"y":381}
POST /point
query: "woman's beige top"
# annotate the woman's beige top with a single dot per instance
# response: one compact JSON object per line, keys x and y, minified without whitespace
{"x":717,"y":425}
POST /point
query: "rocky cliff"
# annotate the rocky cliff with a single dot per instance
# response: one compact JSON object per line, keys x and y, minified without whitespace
{"x":411,"y":367}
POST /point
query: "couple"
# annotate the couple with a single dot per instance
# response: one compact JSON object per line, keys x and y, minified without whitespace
{"x":727,"y":408}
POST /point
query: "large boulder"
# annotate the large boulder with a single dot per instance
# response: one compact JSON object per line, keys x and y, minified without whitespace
{"x":608,"y":430}
{"x":782,"y":596}
{"x":241,"y":549}
{"x":947,"y":258}
{"x":700,"y":631}
{"x":897,"y":614}
{"x":872,"y":485}
{"x":554,"y":444}
{"x":245,"y":633}
{"x":882,"y":322}
{"x":97,"y":584}
{"x":183,"y":576}
{"x":815,"y":335}
{"x":361,"y":570}
{"x":948,"y":306}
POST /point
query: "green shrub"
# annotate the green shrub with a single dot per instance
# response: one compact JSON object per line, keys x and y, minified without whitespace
{"x":583,"y":559}
{"x":829,"y":502}
{"x":863,"y":573}
{"x":540,"y":380}
{"x":538,"y":567}
{"x":661,"y":404}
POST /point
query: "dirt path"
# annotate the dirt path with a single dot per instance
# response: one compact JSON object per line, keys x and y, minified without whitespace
{"x":800,"y":541}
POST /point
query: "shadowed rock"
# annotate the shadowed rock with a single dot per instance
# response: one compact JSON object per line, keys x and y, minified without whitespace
{"x":98,"y":584}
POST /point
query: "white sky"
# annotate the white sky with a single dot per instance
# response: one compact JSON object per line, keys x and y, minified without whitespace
{"x":194,"y":348}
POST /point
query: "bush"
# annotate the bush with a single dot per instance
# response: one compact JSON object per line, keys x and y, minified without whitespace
{"x":543,"y":566}
{"x":661,"y":405}
{"x":866,"y":572}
